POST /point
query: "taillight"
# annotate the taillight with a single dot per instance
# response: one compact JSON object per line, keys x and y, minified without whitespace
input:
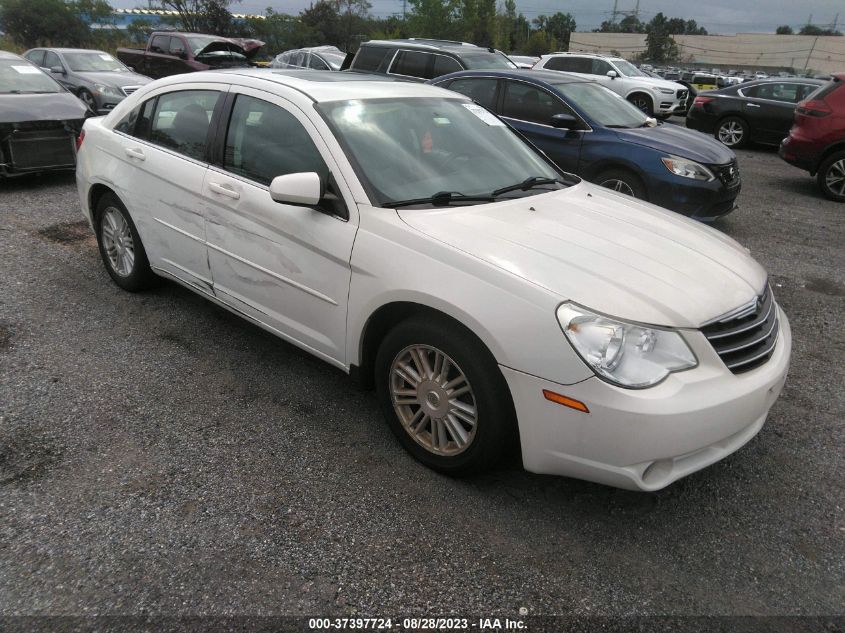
{"x":79,"y":140}
{"x":813,"y":107}
{"x":700,"y":101}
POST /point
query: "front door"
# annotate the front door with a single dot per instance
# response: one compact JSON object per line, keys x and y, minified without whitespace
{"x":285,"y":266}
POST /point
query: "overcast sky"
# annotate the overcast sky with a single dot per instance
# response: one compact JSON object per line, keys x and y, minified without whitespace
{"x":717,"y":16}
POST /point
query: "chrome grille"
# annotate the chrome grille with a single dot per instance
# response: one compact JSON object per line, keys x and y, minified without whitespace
{"x":128,"y":90}
{"x":746,"y":338}
{"x":682,"y":94}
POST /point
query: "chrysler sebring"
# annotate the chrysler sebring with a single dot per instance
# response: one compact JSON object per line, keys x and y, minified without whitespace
{"x":408,"y":236}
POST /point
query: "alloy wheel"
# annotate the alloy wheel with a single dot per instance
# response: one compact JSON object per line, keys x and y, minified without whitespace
{"x":835,"y":177}
{"x":433,"y":400}
{"x":618,"y":185}
{"x":117,"y":242}
{"x":731,"y":133}
{"x":88,"y":99}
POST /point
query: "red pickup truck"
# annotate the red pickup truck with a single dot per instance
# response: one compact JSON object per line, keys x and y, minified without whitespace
{"x":170,"y":53}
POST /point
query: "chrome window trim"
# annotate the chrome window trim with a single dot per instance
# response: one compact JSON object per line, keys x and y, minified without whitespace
{"x":744,"y":96}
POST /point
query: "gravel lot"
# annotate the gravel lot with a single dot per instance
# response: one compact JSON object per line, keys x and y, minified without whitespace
{"x":160,"y":456}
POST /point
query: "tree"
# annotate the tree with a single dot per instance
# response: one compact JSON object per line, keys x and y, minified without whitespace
{"x":559,"y":26}
{"x":628,"y":24}
{"x":434,"y":18}
{"x":197,"y":16}
{"x":540,"y":43}
{"x":784,"y":29}
{"x":812,"y":29}
{"x":660,"y":46}
{"x":51,"y":22}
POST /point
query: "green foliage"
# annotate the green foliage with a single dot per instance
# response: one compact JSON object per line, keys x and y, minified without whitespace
{"x":540,"y":43}
{"x":812,"y":29}
{"x":558,"y":26}
{"x":31,"y":23}
{"x":784,"y":30}
{"x":660,"y":46}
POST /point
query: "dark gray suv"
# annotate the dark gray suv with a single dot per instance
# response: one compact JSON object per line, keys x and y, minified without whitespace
{"x":422,"y":59}
{"x":96,"y":77}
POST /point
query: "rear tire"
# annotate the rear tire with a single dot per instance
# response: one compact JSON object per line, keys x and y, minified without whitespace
{"x":732,"y":132}
{"x":623,"y":181}
{"x":444,"y":397}
{"x":120,"y":246}
{"x":831,"y":176}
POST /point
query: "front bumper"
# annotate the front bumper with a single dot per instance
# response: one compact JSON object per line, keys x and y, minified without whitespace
{"x":644,"y":439}
{"x":704,"y":201}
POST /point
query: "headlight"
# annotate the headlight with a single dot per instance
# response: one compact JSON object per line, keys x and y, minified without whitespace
{"x":625,"y":354}
{"x":107,"y":90}
{"x":687,"y":168}
{"x":665,"y":91}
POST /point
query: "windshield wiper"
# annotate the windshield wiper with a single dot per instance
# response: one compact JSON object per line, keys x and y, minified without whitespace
{"x":439,"y":199}
{"x":528,"y":183}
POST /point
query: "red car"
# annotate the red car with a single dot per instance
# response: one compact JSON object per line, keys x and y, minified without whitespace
{"x":816,"y":142}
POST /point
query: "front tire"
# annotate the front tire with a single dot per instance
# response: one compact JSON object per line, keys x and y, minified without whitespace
{"x":643,"y":102}
{"x":623,"y":181}
{"x":88,"y":99}
{"x":831,"y":177}
{"x":444,"y":397}
{"x":732,"y":132}
{"x":120,"y":246}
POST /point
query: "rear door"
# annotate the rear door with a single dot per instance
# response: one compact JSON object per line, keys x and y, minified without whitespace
{"x":770,"y":107}
{"x":529,"y":109}
{"x":160,"y":172}
{"x":284,"y":266}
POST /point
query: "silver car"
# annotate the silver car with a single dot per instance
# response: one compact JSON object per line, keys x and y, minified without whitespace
{"x":96,"y":77}
{"x":315,"y":58}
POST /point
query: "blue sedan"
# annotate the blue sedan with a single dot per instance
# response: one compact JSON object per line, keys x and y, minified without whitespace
{"x":592,"y":132}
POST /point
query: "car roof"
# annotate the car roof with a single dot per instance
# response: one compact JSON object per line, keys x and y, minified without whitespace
{"x":8,"y":55}
{"x":319,"y":85}
{"x":57,"y":49}
{"x":428,"y":44}
{"x":577,"y":53}
{"x":534,"y":76}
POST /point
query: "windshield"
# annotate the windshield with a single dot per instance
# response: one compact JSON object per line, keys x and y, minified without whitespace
{"x":628,"y":69}
{"x":93,"y":62}
{"x":333,"y":58}
{"x":486,"y":61}
{"x":20,"y":77}
{"x":408,"y":148}
{"x":603,"y":106}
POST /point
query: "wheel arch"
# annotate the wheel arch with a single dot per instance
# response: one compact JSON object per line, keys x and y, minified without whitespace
{"x":95,"y":194}
{"x":838,"y":146}
{"x":639,"y":91}
{"x":387,"y":316}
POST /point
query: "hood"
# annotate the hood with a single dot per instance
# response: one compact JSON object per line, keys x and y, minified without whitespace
{"x":56,"y":106}
{"x":246,"y":47}
{"x":661,"y":83}
{"x":680,"y":141}
{"x":609,"y":253}
{"x":116,"y":80}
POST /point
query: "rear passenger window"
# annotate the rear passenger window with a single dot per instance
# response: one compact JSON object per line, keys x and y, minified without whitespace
{"x":570,"y":64}
{"x":411,"y":64}
{"x":482,"y":91}
{"x":264,"y":141}
{"x":370,"y":57}
{"x":137,"y":122}
{"x":182,"y":119}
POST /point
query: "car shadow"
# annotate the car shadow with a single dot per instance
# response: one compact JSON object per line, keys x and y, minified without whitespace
{"x":28,"y":182}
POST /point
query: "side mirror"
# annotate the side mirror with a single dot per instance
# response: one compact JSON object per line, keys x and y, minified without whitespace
{"x":565,"y":121}
{"x":612,"y":74}
{"x":58,"y":70}
{"x":303,"y":189}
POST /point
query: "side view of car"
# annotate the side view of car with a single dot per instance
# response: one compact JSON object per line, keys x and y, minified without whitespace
{"x":314,"y":58}
{"x":655,"y":97}
{"x":816,"y":141}
{"x":588,"y":130}
{"x":421,"y":59}
{"x":39,"y":119}
{"x":755,"y":111}
{"x":406,"y":235}
{"x":96,"y":77}
{"x":171,"y":53}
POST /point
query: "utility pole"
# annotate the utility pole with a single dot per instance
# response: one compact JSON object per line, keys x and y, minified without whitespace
{"x":810,"y":54}
{"x":613,"y":15}
{"x":404,"y":9}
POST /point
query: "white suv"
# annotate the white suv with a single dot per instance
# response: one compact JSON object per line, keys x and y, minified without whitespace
{"x":655,"y":97}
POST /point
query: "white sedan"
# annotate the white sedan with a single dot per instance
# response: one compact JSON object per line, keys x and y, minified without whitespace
{"x":406,"y":235}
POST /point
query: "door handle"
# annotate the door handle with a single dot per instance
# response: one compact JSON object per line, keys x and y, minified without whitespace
{"x":752,"y":105}
{"x":224,"y":190}
{"x":134,"y":152}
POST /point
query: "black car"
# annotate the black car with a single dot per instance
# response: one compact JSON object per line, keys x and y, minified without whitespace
{"x":39,"y":119}
{"x":759,"y":111}
{"x":420,"y":59}
{"x":593,"y":132}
